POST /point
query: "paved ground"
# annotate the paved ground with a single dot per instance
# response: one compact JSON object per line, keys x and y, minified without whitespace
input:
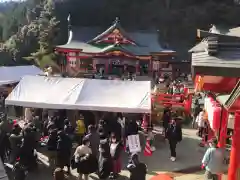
{"x":195,"y":176}
{"x":189,"y":156}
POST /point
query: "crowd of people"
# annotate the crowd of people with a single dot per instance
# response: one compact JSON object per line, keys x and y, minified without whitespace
{"x":97,"y":146}
{"x":85,"y":146}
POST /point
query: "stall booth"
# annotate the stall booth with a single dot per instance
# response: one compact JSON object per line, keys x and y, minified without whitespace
{"x":13,"y":74}
{"x":10,"y":76}
{"x":82,"y":94}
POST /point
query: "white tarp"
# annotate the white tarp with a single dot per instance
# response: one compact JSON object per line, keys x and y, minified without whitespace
{"x":82,"y":94}
{"x":13,"y":74}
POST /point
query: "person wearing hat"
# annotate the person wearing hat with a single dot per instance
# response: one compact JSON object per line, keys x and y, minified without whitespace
{"x":213,"y":161}
{"x":137,"y":169}
{"x":104,"y":160}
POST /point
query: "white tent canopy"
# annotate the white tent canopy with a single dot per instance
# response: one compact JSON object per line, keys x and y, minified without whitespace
{"x":13,"y":74}
{"x":82,"y":94}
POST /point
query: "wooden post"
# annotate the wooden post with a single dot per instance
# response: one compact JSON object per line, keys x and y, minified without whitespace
{"x":150,"y":67}
{"x":109,"y":66}
{"x":234,"y":155}
{"x":137,"y":67}
{"x":223,"y":132}
{"x":223,"y":129}
{"x":106,"y":66}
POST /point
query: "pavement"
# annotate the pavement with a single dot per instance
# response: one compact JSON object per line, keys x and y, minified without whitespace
{"x":189,"y":156}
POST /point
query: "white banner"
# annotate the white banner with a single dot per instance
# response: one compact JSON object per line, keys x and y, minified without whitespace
{"x":134,"y":143}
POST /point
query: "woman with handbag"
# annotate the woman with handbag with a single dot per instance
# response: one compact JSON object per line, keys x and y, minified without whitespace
{"x":82,"y":155}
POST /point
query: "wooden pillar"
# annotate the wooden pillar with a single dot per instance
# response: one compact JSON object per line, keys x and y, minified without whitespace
{"x":94,"y":64}
{"x":223,"y":128}
{"x":223,"y":131}
{"x":234,"y":166}
{"x":150,"y":67}
{"x":106,"y":66}
{"x":109,"y":66}
{"x":137,"y":67}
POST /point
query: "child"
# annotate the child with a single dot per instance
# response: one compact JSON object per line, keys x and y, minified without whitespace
{"x":137,"y":169}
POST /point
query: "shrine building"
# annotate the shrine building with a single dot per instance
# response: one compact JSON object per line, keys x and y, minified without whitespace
{"x":116,"y":51}
{"x":216,"y":70}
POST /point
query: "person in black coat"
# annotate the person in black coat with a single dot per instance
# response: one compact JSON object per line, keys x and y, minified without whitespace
{"x":137,"y":169}
{"x":104,"y":160}
{"x":103,"y":129}
{"x":52,"y":146}
{"x":131,"y":128}
{"x":174,"y":135}
{"x":27,"y":155}
{"x":64,"y":147}
{"x":166,"y":119}
{"x":116,"y":129}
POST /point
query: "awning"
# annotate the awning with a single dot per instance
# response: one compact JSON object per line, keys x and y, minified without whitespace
{"x":13,"y":74}
{"x":82,"y":94}
{"x":222,"y":99}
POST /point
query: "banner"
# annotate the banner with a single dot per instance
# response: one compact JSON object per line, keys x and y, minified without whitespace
{"x":134,"y":143}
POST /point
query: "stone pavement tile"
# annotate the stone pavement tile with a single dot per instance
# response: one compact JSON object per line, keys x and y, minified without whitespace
{"x":195,"y":176}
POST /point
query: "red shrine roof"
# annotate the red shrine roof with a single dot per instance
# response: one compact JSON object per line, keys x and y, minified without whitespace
{"x":98,"y":40}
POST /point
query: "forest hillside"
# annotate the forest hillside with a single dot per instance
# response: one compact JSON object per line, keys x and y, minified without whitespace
{"x":29,"y":30}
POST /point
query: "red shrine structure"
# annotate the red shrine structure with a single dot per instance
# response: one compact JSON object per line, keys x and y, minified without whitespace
{"x":116,"y":51}
{"x":216,"y":70}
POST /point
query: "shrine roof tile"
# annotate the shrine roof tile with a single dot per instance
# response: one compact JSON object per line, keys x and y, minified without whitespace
{"x":221,"y":59}
{"x":142,"y":37}
{"x":87,"y":48}
{"x":200,"y":47}
{"x":225,"y":63}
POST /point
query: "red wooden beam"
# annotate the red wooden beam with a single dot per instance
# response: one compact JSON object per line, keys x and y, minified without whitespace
{"x":81,"y":57}
{"x":174,"y":103}
{"x":168,"y":95}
